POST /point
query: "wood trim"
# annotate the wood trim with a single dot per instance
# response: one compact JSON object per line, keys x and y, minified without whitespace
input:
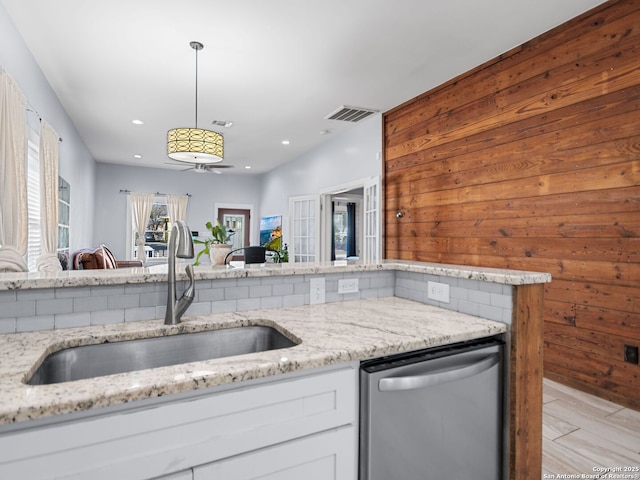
{"x":526,"y":372}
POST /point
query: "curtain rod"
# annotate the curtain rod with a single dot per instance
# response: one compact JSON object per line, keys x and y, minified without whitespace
{"x":35,"y":112}
{"x":155,"y":193}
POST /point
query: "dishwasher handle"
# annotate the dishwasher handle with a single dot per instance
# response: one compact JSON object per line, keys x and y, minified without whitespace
{"x":430,"y":379}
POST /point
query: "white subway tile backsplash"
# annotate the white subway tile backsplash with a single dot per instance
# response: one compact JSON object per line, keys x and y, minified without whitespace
{"x":492,"y":313}
{"x":234,"y":293}
{"x":293,"y":300}
{"x":72,"y":292}
{"x":123,"y":301}
{"x":143,"y":288}
{"x":8,"y":296}
{"x":208,"y":295}
{"x":301,"y":288}
{"x":50,"y":307}
{"x":283,"y":289}
{"x":68,"y":320}
{"x":270,"y":302}
{"x":106,"y":290}
{"x":102,"y":317}
{"x":139,"y":313}
{"x":31,"y":324}
{"x":90,"y":304}
{"x":369,"y":293}
{"x":501,"y":300}
{"x":28,"y":295}
{"x":490,"y":287}
{"x":196,"y":308}
{"x":260,"y":291}
{"x":273,"y":280}
{"x":248,"y":304}
{"x":468,"y":307}
{"x":224,"y":306}
{"x":7,"y":325}
{"x":70,"y":307}
{"x":477,"y":296}
{"x":385,"y":292}
{"x":18,"y":309}
{"x":151,"y":299}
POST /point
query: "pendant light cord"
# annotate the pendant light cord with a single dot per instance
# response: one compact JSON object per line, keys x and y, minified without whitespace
{"x":196,"y":49}
{"x":196,"y":46}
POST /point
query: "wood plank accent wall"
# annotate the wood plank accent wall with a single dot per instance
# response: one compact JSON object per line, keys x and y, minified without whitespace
{"x":532,"y":161}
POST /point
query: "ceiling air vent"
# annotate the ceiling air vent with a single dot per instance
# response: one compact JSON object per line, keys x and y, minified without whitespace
{"x":221,"y":123}
{"x":350,"y":114}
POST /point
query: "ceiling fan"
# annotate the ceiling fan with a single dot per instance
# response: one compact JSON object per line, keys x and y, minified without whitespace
{"x":203,"y":167}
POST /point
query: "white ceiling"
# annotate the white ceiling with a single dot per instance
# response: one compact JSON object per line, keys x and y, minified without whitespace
{"x":275,"y":68}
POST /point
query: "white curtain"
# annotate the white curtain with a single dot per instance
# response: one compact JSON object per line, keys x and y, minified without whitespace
{"x":13,"y":179}
{"x":177,"y":206}
{"x":48,"y":260}
{"x":141,"y":204}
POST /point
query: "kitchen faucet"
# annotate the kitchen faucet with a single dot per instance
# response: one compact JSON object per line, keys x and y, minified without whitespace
{"x":183,"y":249}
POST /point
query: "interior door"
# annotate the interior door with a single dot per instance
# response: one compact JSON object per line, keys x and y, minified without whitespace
{"x":304,"y":214}
{"x":372,"y":220}
{"x":238,"y":221}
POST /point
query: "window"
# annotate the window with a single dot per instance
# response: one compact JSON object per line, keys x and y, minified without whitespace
{"x":156,"y":235}
{"x":34,"y":238}
{"x":64,"y":211}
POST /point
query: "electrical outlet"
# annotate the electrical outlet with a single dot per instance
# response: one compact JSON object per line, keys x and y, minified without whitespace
{"x":348,"y":285}
{"x":438,"y":291}
{"x":631,"y":354}
{"x":317,"y":290}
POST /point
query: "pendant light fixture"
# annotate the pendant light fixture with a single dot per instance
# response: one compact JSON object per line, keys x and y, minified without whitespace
{"x":195,"y":145}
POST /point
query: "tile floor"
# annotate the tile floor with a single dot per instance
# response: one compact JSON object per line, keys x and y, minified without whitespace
{"x":582,"y":433}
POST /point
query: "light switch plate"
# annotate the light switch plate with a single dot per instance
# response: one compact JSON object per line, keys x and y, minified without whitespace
{"x":317,"y":291}
{"x":348,"y":285}
{"x":438,"y":291}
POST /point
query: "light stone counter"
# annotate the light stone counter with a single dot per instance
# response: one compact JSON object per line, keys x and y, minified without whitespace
{"x":329,"y":334}
{"x":87,"y":278}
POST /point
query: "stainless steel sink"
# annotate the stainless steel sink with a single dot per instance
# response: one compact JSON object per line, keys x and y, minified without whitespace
{"x":108,"y":358}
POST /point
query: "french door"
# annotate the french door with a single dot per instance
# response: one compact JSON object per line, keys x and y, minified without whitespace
{"x":304,"y":212}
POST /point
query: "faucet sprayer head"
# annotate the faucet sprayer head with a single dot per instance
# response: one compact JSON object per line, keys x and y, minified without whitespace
{"x":184,"y":247}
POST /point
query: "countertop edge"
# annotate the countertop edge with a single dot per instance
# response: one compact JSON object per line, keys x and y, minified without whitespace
{"x":124,"y":276}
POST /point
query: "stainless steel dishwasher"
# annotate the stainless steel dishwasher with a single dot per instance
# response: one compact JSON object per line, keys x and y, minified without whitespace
{"x":434,"y":414}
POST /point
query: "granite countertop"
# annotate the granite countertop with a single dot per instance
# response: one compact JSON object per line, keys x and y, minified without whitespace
{"x":330,"y":334}
{"x":84,"y":278}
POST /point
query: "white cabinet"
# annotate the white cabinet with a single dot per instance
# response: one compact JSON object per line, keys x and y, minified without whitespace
{"x":324,"y":456}
{"x":146,"y":441}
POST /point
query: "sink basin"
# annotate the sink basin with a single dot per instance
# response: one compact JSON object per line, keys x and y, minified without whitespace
{"x":90,"y":361}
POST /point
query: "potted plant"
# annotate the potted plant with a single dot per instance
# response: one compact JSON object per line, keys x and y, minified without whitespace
{"x":217,"y":245}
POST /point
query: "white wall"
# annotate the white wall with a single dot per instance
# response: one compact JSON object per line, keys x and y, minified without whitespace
{"x":77,"y":166}
{"x":98,"y":210}
{"x":350,"y":156}
{"x":353,"y":155}
{"x":206,"y":189}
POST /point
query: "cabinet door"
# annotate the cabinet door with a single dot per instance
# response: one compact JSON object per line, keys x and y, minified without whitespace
{"x":326,"y":456}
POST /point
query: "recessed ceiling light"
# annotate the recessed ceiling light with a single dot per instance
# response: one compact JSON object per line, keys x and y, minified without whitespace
{"x":286,"y":142}
{"x":137,"y":155}
{"x":248,"y":167}
{"x":137,"y":122}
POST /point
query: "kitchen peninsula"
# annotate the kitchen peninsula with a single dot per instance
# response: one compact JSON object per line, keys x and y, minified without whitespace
{"x":348,"y":328}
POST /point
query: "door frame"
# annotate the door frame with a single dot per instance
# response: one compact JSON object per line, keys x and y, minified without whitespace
{"x":253,"y":233}
{"x":326,"y":218}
